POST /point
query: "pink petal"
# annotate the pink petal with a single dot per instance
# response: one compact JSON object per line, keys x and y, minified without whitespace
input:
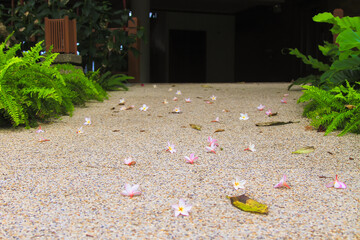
{"x":339,"y":185}
{"x":330,"y":184}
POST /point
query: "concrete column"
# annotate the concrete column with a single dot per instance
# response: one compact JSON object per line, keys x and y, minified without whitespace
{"x":141,"y":9}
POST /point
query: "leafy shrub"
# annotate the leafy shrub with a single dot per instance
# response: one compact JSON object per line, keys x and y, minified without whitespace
{"x":31,"y":90}
{"x":344,"y":57}
{"x":338,"y":108}
{"x":108,"y":81}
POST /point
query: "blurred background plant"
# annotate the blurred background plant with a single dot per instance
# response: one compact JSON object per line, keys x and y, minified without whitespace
{"x":99,"y":46}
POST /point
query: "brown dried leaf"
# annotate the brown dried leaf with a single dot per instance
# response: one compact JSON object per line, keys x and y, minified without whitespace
{"x":116,"y":130}
{"x":350,"y":106}
{"x":219,"y":130}
{"x":308,"y":128}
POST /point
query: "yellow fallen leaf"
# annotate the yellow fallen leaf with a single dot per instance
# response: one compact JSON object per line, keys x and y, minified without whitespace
{"x":307,"y":149}
{"x":247,"y":204}
{"x":194,"y":126}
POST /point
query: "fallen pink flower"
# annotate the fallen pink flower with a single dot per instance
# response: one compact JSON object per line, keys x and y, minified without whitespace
{"x":131,"y":191}
{"x":212,"y":141}
{"x":268,"y":112}
{"x":216,"y":119}
{"x":211,"y":148}
{"x":43,"y":140}
{"x":187,"y":100}
{"x":171,"y":148}
{"x":261,"y":107}
{"x":251,"y":148}
{"x":191,"y":158}
{"x":128,"y":161}
{"x":39,"y":130}
{"x":175,"y":99}
{"x":284,"y":100}
{"x":282,"y":183}
{"x":181,"y":208}
{"x":286,"y":94}
{"x":165,"y":101}
{"x":336,"y":184}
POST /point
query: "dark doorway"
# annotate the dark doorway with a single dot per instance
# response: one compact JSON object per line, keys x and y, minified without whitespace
{"x":187,"y":56}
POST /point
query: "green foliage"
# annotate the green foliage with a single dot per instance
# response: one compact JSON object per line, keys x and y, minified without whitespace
{"x":336,"y":109}
{"x":32,"y":90}
{"x":97,"y":43}
{"x":344,"y":57}
{"x":108,"y":81}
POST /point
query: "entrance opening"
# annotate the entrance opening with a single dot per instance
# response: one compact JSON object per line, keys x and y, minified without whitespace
{"x":187,"y":56}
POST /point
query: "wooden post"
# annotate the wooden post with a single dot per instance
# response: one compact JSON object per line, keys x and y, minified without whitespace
{"x":65,"y":40}
{"x":133,"y":61}
{"x":338,"y":12}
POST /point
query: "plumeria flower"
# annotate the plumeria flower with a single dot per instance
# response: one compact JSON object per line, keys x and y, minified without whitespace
{"x":261,"y":107}
{"x":250,"y":148}
{"x":181,"y":208}
{"x":211,"y":148}
{"x":336,"y":184}
{"x":131,"y":190}
{"x":212,"y":141}
{"x":213,"y":97}
{"x":123,"y":108}
{"x":208,"y":102}
{"x":216,"y":119}
{"x":286,"y":94}
{"x":191,"y":158}
{"x":87,"y":121}
{"x":239,"y":184}
{"x":130,"y":107}
{"x":171,"y":148}
{"x":43,"y":140}
{"x":243,"y":116}
{"x":178,"y":92}
{"x":144,"y":108}
{"x":268,"y":112}
{"x":282,"y":183}
{"x":176,"y":110}
{"x":188,"y":100}
{"x":122,"y":101}
{"x":80,"y":130}
{"x":284,"y":100}
{"x":165,"y":101}
{"x":128,"y":161}
{"x":175,"y":99}
{"x":170,"y":89}
{"x":39,"y":130}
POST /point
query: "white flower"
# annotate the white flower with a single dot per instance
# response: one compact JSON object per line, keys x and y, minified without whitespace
{"x":181,"y":208}
{"x":178,"y":92}
{"x":213,"y":97}
{"x":144,"y":108}
{"x":239,"y":184}
{"x":165,"y":101}
{"x":243,"y":116}
{"x":176,"y":110}
{"x":188,"y":100}
{"x":87,"y":121}
{"x":80,"y":130}
{"x":122,"y":101}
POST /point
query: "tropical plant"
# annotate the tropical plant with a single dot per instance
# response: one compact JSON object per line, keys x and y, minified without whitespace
{"x":338,"y":108}
{"x":31,"y":89}
{"x":109,"y":81}
{"x":344,"y":56}
{"x":106,"y":49}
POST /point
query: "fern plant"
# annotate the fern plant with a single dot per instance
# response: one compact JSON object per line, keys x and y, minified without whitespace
{"x":336,"y":109}
{"x":109,"y":81}
{"x":31,"y":89}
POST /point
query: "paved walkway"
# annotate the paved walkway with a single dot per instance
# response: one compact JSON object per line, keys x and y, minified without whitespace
{"x":70,"y":187}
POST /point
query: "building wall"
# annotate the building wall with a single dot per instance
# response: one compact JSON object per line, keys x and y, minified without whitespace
{"x":220,"y":42}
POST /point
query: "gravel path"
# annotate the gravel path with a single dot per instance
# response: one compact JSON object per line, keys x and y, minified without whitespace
{"x":70,"y":187}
